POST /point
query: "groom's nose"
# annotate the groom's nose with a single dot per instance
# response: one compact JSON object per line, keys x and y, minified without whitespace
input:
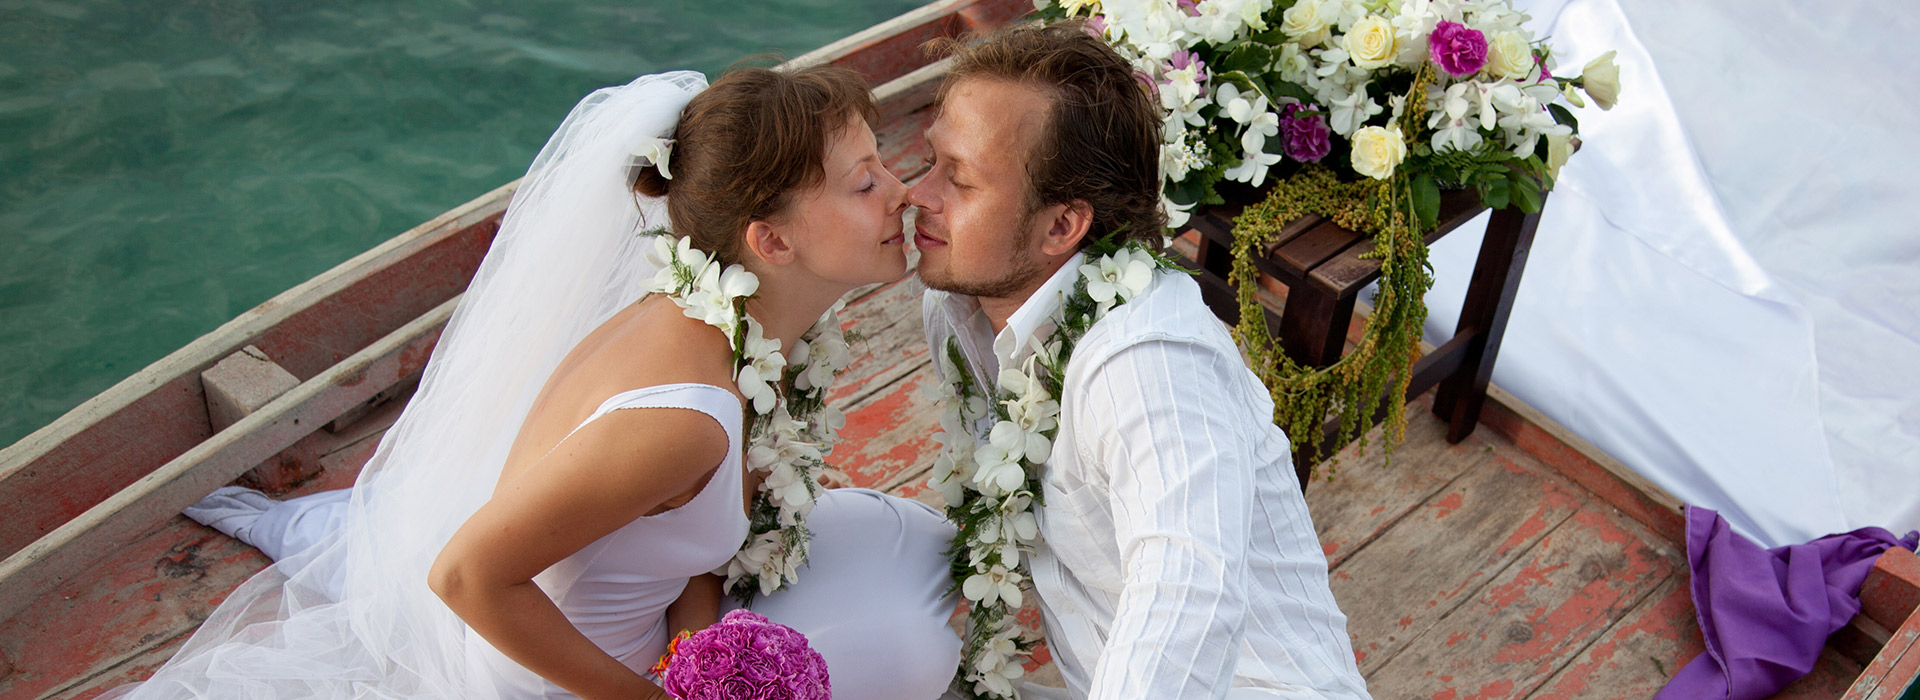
{"x":920,"y":195}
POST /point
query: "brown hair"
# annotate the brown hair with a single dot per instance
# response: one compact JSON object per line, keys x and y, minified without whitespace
{"x":1101,"y":143}
{"x":746,"y":143}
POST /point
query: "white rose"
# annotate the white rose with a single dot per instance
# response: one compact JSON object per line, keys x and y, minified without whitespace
{"x":1377,"y":151}
{"x":1559,"y":149}
{"x":1370,"y":43}
{"x":1601,"y":80}
{"x":1306,"y":22}
{"x":1509,"y":56}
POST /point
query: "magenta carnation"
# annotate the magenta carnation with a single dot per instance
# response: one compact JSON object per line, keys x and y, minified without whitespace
{"x":745,"y":655}
{"x":1306,"y":134}
{"x":1459,"y":51}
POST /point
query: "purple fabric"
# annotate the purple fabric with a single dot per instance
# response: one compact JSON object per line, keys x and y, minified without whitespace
{"x":1766,"y":613}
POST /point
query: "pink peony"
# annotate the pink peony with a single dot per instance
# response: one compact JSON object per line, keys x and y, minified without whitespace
{"x":744,"y":656}
{"x":1459,"y":51}
{"x":1306,"y":134}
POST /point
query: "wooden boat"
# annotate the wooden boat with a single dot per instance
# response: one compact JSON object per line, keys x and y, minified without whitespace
{"x":1521,"y":562}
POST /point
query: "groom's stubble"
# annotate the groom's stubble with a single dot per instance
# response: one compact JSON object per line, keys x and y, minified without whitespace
{"x":1020,"y":274}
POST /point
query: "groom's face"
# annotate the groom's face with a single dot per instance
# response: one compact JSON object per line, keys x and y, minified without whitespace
{"x":976,"y":230}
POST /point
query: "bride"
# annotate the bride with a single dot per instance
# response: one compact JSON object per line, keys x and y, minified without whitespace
{"x":582,"y":453}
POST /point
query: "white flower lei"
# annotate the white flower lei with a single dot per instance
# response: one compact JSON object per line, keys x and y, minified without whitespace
{"x":992,"y":483}
{"x":793,"y":428}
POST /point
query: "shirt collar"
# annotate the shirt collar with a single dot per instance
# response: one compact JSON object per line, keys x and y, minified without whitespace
{"x":1035,"y":316}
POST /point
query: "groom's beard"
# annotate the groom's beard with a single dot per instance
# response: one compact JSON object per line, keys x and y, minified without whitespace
{"x":1021,"y":271}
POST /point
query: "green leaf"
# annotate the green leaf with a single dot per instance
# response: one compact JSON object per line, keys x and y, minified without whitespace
{"x":1562,"y":115}
{"x":1426,"y":201}
{"x":1251,"y":56}
{"x":1526,"y":193}
{"x":1188,"y":191}
{"x":1495,"y":191}
{"x":1282,"y":88}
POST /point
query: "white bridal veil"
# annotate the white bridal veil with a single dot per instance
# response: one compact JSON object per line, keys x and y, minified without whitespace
{"x":568,"y":255}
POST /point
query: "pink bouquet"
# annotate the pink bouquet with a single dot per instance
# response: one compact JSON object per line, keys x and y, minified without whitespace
{"x":745,"y":656}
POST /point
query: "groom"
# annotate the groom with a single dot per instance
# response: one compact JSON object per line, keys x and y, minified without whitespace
{"x":1178,"y":560}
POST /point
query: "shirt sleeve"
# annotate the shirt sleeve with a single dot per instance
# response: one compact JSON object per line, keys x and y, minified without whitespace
{"x":1164,"y":422}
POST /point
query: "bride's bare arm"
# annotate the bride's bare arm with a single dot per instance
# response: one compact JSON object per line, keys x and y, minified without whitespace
{"x":698,"y":606}
{"x":612,"y":471}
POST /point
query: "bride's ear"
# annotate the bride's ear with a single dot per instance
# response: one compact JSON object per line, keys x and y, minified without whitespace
{"x":768,"y":243}
{"x":1069,"y":226}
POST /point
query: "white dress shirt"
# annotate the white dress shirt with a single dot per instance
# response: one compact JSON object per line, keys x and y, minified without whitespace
{"x":1178,"y":560}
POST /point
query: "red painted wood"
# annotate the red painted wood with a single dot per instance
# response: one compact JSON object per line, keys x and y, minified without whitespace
{"x":1891,"y":593}
{"x":1583,"y":471}
{"x":889,"y":57}
{"x":101,"y":460}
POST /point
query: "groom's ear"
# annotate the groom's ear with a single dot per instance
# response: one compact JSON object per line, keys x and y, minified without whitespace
{"x":1068,"y":227}
{"x":768,"y":243}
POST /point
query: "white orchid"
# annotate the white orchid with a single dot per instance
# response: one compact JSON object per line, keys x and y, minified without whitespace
{"x":996,"y":667}
{"x":1122,"y":275}
{"x":762,"y":369}
{"x":790,"y":491}
{"x":714,"y":291}
{"x":1177,"y":214}
{"x":997,"y":468}
{"x":655,"y":152}
{"x":996,"y":583}
{"x":1351,"y":112}
{"x":1253,"y":168}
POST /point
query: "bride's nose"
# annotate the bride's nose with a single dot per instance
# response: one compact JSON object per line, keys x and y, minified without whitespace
{"x":896,"y":191}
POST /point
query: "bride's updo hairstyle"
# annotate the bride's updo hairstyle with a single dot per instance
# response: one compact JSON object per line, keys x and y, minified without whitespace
{"x":748,"y":142}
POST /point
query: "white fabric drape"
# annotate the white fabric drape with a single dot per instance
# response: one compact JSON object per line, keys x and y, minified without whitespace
{"x":1725,"y":290}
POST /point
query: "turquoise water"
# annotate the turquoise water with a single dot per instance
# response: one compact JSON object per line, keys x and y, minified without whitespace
{"x":165,"y":166}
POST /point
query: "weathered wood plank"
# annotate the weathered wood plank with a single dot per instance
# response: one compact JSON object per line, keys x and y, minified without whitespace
{"x":1589,"y":466}
{"x":147,"y":592}
{"x":158,"y":496}
{"x":1897,"y":665}
{"x":1366,"y":496}
{"x":888,"y":439}
{"x":159,"y":413}
{"x":1439,"y":556}
{"x":1638,"y":655}
{"x":1535,"y":616}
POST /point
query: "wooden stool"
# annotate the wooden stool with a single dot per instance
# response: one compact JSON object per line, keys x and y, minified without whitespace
{"x":1320,"y":265}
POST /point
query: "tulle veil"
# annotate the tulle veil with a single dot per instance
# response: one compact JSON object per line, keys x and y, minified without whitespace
{"x":568,"y":255}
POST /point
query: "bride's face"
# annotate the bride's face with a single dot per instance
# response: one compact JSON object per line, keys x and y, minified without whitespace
{"x":847,"y":230}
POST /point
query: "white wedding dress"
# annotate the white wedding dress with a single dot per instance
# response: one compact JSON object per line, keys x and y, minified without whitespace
{"x":872,"y":599}
{"x":345,"y":612}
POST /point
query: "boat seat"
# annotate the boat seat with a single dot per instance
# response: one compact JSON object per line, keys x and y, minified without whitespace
{"x":1323,"y":269}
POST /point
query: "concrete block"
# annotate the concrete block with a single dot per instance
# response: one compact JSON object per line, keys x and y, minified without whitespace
{"x":241,"y":383}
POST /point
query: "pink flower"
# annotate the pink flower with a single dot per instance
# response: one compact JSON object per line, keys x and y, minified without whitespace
{"x":1305,"y":130}
{"x":745,"y":656}
{"x":1459,"y":51}
{"x":1183,"y":58}
{"x":1096,"y":25}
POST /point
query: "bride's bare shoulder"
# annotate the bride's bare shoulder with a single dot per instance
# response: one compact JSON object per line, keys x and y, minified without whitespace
{"x":653,"y":343}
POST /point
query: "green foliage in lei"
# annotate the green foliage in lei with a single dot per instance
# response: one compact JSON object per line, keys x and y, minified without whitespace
{"x":1078,"y":313}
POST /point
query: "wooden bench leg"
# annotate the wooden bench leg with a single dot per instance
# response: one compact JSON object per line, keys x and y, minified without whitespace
{"x":1215,"y":262}
{"x":1496,"y":276}
{"x":1313,"y":331}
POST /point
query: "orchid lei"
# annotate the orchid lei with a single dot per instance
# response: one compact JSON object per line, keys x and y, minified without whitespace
{"x":792,"y":429}
{"x":991,"y":480}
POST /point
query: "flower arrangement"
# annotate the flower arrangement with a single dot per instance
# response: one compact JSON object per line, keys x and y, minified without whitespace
{"x":745,"y":655}
{"x":1400,"y":97}
{"x":994,"y":440}
{"x":792,"y":429}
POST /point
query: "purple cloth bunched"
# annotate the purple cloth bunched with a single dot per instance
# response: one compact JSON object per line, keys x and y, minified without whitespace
{"x":1766,"y":613}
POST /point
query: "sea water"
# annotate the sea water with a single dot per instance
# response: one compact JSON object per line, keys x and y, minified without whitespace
{"x":167,"y":165}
